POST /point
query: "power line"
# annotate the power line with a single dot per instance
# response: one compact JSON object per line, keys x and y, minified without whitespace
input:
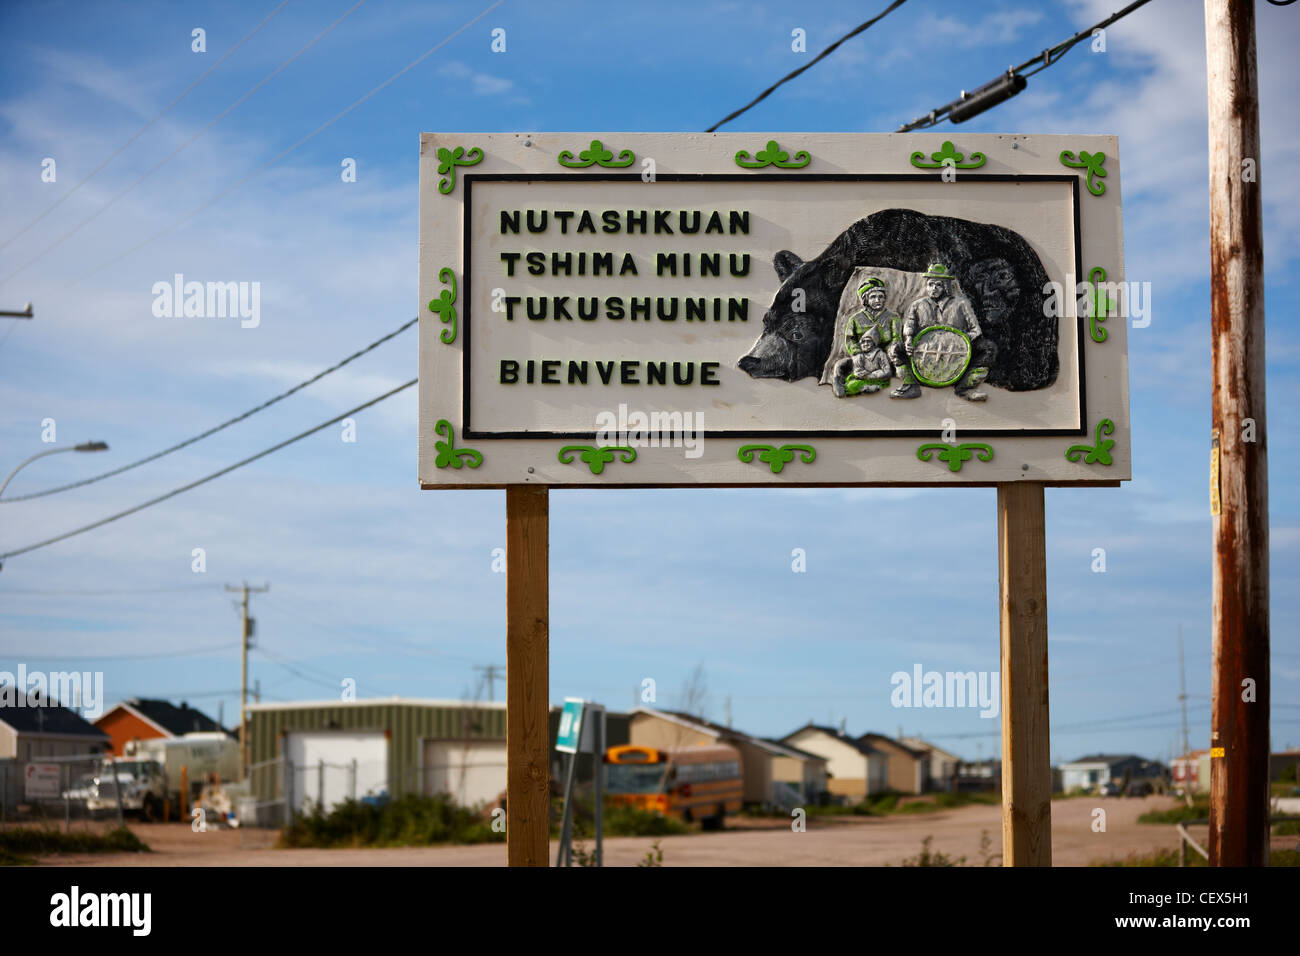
{"x":285,"y":152}
{"x":216,"y":474}
{"x":212,"y":431}
{"x":822,"y":55}
{"x":1009,"y":83}
{"x":332,"y":685}
{"x":105,"y":591}
{"x":138,"y":133}
{"x":166,"y":159}
{"x":191,"y":652}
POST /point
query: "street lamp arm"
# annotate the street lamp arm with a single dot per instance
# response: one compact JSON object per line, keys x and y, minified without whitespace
{"x":84,"y":446}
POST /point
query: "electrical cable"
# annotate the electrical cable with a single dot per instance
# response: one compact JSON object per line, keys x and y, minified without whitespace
{"x":166,"y":159}
{"x":212,"y":431}
{"x":204,"y":480}
{"x":138,"y":133}
{"x":285,"y":152}
{"x":822,"y":55}
{"x":1000,"y":89}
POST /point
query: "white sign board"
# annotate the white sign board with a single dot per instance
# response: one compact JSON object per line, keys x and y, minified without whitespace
{"x":42,"y":781}
{"x":795,"y":309}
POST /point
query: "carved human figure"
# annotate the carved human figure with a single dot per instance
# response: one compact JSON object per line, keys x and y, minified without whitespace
{"x":940,"y":307}
{"x":867,"y":334}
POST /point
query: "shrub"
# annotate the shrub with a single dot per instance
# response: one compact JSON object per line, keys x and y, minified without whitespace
{"x":410,"y":820}
{"x":41,"y":842}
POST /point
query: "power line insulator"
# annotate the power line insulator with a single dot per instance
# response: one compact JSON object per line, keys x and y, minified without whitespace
{"x":1000,"y":90}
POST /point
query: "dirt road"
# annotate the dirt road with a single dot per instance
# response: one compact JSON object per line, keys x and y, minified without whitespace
{"x":842,"y":841}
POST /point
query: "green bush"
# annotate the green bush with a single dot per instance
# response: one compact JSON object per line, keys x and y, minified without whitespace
{"x":410,"y":820}
{"x":1287,"y":828}
{"x":42,"y":842}
{"x":1199,"y":810}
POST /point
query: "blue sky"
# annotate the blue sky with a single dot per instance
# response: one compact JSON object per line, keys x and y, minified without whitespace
{"x":375,"y":580}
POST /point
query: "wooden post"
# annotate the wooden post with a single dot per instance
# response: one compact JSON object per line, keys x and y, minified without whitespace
{"x":1239,"y":728}
{"x":1026,"y":744}
{"x":527,"y":670}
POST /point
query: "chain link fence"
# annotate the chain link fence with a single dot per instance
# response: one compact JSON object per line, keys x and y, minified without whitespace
{"x":72,"y":789}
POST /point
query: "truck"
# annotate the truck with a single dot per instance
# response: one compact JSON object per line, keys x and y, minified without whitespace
{"x":149,"y":773}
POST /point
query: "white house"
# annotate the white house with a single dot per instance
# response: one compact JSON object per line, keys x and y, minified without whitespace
{"x":856,"y":768}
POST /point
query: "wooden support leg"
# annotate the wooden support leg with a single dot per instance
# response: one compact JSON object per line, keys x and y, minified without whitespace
{"x":1026,"y":744}
{"x":527,"y":672}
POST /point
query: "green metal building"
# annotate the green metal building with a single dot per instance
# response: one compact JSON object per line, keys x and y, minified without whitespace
{"x":324,"y":752}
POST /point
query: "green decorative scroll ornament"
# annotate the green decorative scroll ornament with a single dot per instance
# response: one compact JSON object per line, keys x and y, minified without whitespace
{"x":777,"y":458}
{"x":955,"y":455}
{"x":449,"y":456}
{"x":1101,"y":304}
{"x":596,"y":155}
{"x":445,"y":305}
{"x":449,"y":159}
{"x":773,"y":155}
{"x":948,"y":156}
{"x":1098,"y":454}
{"x":1093,"y":163}
{"x":597,"y":456}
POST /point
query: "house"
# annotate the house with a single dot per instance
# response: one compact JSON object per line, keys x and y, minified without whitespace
{"x":775,"y":774}
{"x":143,"y":719}
{"x":1284,"y":766}
{"x":909,"y":767}
{"x":943,"y":765}
{"x":802,"y":772}
{"x":1185,"y":771}
{"x":979,"y":776}
{"x":856,"y":769}
{"x":1088,"y":773}
{"x":34,"y":729}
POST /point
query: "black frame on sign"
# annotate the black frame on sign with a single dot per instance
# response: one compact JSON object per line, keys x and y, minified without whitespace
{"x":466,"y":324}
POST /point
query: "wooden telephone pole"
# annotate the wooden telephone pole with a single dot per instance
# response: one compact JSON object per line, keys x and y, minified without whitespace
{"x":528,"y":775}
{"x":245,"y":633}
{"x":1239,"y":735}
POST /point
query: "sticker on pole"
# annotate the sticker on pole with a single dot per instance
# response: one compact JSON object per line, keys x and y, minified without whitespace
{"x":569,"y":733}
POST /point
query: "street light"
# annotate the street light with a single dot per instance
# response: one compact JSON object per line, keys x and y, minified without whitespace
{"x":84,"y":446}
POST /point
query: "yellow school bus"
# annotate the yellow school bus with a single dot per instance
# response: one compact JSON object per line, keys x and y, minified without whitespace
{"x":690,"y":783}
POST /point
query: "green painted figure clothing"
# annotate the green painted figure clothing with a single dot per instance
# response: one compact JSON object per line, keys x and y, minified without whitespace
{"x":952,"y":311}
{"x":877,"y":330}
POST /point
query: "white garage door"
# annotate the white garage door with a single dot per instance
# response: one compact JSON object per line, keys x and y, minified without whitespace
{"x":323,"y":768}
{"x":471,"y":771}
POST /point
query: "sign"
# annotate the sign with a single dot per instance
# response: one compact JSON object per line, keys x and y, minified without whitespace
{"x":42,"y":781}
{"x":568,"y":736}
{"x":754,"y":309}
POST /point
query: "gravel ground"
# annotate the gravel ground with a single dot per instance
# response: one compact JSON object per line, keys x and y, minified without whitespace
{"x":840,"y":841}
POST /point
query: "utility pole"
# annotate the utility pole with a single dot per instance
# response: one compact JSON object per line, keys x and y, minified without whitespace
{"x":1239,"y":731}
{"x":490,"y":674}
{"x":1182,"y":686}
{"x":246,"y":632}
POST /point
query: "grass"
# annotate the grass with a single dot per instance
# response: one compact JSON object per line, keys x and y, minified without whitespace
{"x":1170,"y":858}
{"x":1287,"y":828}
{"x":1199,"y":810}
{"x":627,"y":821}
{"x":929,"y":857}
{"x":410,"y":820}
{"x":16,"y":844}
